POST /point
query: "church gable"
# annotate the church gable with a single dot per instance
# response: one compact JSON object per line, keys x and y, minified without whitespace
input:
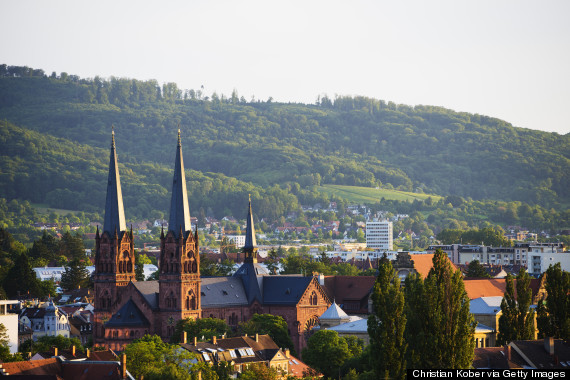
{"x":314,"y":294}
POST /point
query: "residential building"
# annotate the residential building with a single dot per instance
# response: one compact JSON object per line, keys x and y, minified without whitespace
{"x":45,"y":320}
{"x":237,"y":240}
{"x":542,"y":354}
{"x":242,"y":352}
{"x":10,"y":321}
{"x":379,"y":235}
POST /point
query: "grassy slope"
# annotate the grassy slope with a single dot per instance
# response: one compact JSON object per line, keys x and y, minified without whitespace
{"x":358,"y":194}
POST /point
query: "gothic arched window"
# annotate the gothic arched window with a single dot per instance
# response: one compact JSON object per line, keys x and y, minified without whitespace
{"x":313,"y":299}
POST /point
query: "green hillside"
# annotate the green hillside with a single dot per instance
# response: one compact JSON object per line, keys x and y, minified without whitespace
{"x":358,"y":194}
{"x":56,"y":134}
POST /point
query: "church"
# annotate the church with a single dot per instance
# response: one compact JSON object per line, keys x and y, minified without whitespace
{"x":126,"y":309}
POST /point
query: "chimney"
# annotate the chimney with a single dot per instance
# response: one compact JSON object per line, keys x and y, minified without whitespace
{"x":196,"y":341}
{"x":287,"y":353}
{"x":87,"y":353}
{"x":123,"y":366}
{"x":214,"y":340}
{"x":549,"y":345}
{"x":73,"y":350}
{"x":55,"y":351}
{"x":184,"y":337}
{"x":508,"y":352}
{"x":257,"y":337}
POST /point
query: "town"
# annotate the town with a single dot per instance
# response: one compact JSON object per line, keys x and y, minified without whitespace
{"x":241,"y":309}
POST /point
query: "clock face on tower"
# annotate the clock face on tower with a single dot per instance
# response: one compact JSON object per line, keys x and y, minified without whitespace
{"x":170,"y":321}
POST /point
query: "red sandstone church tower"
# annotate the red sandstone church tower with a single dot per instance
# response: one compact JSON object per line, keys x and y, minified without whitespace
{"x":114,"y":252}
{"x":179,"y":279}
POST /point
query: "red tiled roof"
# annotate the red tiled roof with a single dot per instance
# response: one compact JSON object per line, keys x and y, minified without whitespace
{"x":424,"y":262}
{"x":493,"y":287}
{"x":49,"y":366}
{"x":343,"y":288}
{"x":300,"y":369}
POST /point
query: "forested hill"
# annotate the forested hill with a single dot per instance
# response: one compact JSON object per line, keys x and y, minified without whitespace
{"x":346,"y":140}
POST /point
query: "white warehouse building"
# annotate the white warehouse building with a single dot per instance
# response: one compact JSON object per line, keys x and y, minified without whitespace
{"x":379,"y":235}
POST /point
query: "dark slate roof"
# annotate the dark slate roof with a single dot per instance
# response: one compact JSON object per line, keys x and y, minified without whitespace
{"x":249,"y":273}
{"x":149,"y":290}
{"x":250,"y":243}
{"x":222,"y":291}
{"x":128,"y":316}
{"x":114,"y":211}
{"x":284,"y":290}
{"x":179,"y":212}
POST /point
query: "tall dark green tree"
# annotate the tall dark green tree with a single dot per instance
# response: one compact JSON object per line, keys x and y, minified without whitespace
{"x":21,"y":279}
{"x":386,"y":325}
{"x":440,"y":328}
{"x":525,"y":317}
{"x":75,"y":275}
{"x":556,"y":320}
{"x":509,"y":317}
{"x":476,"y":270}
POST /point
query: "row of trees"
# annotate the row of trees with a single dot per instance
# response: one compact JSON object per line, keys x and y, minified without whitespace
{"x":427,"y":324}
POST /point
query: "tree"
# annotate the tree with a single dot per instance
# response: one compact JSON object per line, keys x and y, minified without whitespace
{"x":326,"y":352}
{"x":75,"y":275}
{"x":203,"y":327}
{"x":273,"y":325}
{"x":555,"y":320}
{"x":151,"y":358}
{"x":476,"y":270}
{"x":386,"y":324}
{"x":259,"y":371}
{"x":21,"y":279}
{"x":4,"y":343}
{"x":272,"y":261}
{"x":139,"y":267}
{"x":508,"y":318}
{"x":46,"y":343}
{"x":440,"y":328}
{"x":525,"y":317}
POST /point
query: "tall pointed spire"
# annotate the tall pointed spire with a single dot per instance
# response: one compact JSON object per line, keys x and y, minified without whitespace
{"x":250,"y":245}
{"x":114,"y":211}
{"x":179,"y":211}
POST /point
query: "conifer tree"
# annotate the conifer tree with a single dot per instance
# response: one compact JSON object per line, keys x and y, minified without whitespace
{"x":440,"y":326}
{"x":386,"y":325}
{"x":525,"y":322}
{"x":555,"y":321}
{"x":21,"y":279}
{"x":508,"y":318}
{"x":75,"y":275}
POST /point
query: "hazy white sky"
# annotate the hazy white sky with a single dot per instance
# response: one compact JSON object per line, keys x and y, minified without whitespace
{"x":507,"y":59}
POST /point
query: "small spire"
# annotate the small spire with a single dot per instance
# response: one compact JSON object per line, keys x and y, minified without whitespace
{"x":250,"y":246}
{"x":112,"y":136}
{"x":179,"y":141}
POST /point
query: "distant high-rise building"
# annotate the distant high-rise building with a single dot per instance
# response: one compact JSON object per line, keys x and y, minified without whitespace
{"x":379,"y":235}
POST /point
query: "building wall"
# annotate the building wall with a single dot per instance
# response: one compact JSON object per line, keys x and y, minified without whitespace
{"x":10,"y":321}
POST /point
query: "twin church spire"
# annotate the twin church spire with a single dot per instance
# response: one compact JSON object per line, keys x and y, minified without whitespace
{"x":114,"y":210}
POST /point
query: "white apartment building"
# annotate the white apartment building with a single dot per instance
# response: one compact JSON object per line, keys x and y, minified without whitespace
{"x":10,"y":321}
{"x":237,"y":240}
{"x":379,"y":235}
